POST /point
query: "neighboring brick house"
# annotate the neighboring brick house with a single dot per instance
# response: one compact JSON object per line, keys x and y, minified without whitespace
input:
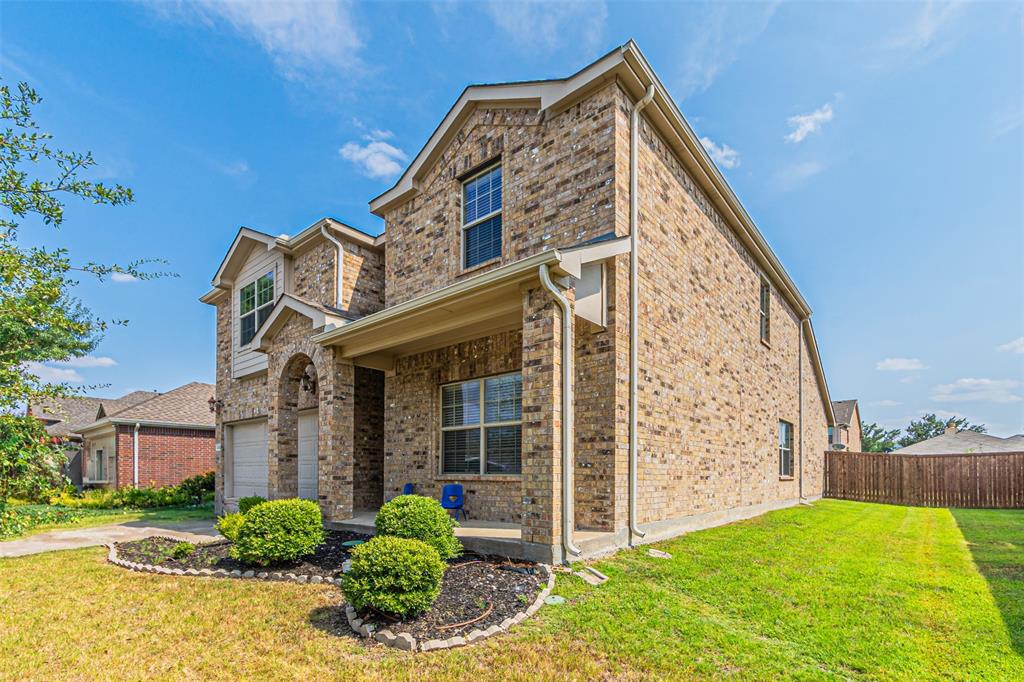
{"x":159,"y":441}
{"x":847,"y":431}
{"x":440,"y":356}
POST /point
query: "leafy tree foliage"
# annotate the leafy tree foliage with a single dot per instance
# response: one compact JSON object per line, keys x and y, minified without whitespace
{"x":876,"y":439}
{"x":31,"y":461}
{"x":40,"y":319}
{"x":930,"y":426}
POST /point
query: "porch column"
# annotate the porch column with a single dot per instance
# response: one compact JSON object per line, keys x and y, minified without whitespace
{"x":542,"y":421}
{"x":282,"y":441}
{"x":337,"y":440}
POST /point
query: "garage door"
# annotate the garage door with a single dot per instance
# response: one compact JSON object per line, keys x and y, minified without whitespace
{"x":249,"y":459}
{"x":309,"y":437}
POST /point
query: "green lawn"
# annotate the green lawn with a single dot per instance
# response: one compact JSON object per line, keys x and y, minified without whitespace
{"x":839,"y":591}
{"x":102,"y":517}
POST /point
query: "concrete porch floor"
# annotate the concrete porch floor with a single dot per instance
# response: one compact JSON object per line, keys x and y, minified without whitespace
{"x":486,"y":537}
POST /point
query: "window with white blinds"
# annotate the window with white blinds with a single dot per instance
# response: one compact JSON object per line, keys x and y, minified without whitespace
{"x":481,"y":426}
{"x":481,"y":217}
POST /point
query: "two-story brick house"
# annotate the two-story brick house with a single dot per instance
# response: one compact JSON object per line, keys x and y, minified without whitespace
{"x":485,"y":337}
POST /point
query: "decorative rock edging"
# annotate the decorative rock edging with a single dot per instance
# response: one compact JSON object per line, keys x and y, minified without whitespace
{"x":113,"y":558}
{"x":407,"y":642}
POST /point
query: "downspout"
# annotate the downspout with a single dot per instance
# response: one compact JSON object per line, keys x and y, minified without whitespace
{"x":135,"y":454}
{"x":340,"y":275}
{"x":634,"y":288}
{"x":568,"y":431}
{"x":800,"y":414}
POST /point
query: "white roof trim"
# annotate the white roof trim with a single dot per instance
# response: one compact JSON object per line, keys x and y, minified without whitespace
{"x":288,"y":303}
{"x":244,"y":234}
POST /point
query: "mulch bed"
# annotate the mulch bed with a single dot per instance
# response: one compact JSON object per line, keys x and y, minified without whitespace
{"x":476,"y":592}
{"x":325,"y":562}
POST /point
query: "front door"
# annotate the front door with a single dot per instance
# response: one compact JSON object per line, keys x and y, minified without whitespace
{"x":309,"y":448}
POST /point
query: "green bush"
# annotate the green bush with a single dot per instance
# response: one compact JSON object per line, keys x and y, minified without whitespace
{"x":229,"y":525}
{"x":183,"y":550}
{"x":134,"y":498}
{"x":247,"y":503}
{"x":394,"y":575}
{"x":21,"y":518}
{"x":281,"y":530}
{"x":420,"y":518}
{"x":196,"y":488}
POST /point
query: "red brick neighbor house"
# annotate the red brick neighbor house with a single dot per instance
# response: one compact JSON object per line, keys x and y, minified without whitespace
{"x":569,"y":313}
{"x":141,"y":439}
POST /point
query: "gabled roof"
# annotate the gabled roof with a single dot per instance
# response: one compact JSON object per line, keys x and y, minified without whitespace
{"x":964,"y":442}
{"x":322,"y":317}
{"x":843,"y":410}
{"x":69,"y":415}
{"x":185,"y":406}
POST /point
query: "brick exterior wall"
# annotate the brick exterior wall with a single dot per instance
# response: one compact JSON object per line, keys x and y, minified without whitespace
{"x":368,"y":463}
{"x":167,"y":456}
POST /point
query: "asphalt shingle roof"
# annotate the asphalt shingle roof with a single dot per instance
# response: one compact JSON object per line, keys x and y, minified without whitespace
{"x":188,"y":404}
{"x":964,"y":442}
{"x":843,"y":409}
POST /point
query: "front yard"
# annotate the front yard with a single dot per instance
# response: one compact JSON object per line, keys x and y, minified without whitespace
{"x":840,"y":590}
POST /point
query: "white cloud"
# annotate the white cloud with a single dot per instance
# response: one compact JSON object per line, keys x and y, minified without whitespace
{"x":88,"y":361}
{"x":1007,"y":121}
{"x":723,"y":155}
{"x":910,"y":379}
{"x":885,"y":403}
{"x":57,"y":375}
{"x":714,"y":41}
{"x":925,"y":28}
{"x":123,"y":277}
{"x":899,"y":365}
{"x":302,"y":38}
{"x":536,"y":24}
{"x":795,"y":174}
{"x":1015,"y":346}
{"x":376,"y":159}
{"x":231,"y":168}
{"x":805,"y":124}
{"x":978,"y":390}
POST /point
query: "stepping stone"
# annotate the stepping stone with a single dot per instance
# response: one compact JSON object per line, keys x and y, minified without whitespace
{"x":591,"y":576}
{"x":658,"y":554}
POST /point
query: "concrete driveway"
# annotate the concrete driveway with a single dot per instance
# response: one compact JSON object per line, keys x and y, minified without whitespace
{"x":193,"y":531}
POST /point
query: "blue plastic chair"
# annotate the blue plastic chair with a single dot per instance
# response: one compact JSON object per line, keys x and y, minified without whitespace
{"x":407,"y":489}
{"x":452,"y":499}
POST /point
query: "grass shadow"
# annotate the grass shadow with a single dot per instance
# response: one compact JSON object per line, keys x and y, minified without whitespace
{"x":331,"y":619}
{"x":996,"y":540}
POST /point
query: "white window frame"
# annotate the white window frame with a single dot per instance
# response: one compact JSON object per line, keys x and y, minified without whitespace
{"x":462,"y":216}
{"x":784,"y":451}
{"x":764,"y":305}
{"x":482,"y":426}
{"x":255,"y":312}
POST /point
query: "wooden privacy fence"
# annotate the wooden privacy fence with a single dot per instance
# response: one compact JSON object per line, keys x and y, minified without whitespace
{"x":993,"y":481}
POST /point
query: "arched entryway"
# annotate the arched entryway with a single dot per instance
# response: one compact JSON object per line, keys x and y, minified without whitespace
{"x":298,"y":429}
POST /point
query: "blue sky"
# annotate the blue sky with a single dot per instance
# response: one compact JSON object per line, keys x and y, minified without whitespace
{"x":878,"y":146}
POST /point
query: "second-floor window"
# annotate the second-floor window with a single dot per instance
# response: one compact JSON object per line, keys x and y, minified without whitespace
{"x":256,"y":300}
{"x":766,"y":311}
{"x":481,"y":217}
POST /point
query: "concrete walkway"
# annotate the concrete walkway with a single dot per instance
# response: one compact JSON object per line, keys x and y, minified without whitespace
{"x":193,"y":531}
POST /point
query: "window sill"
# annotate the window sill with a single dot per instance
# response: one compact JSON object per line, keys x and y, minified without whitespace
{"x":479,"y":266}
{"x":478,"y":478}
{"x":786,"y":478}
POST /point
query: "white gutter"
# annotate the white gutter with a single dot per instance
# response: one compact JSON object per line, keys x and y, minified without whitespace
{"x":340,"y":274}
{"x":634,"y":288}
{"x":135,"y":454}
{"x":568,"y":432}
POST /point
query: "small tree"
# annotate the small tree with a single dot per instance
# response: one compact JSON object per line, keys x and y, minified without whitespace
{"x":876,"y":439}
{"x":31,"y":461}
{"x":930,"y":426}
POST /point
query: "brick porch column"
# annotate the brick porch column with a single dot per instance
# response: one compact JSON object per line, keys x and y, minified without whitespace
{"x":542,"y":421}
{"x":337,"y":436}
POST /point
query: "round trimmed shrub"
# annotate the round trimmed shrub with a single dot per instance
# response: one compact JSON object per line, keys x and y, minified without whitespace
{"x":229,"y":525}
{"x":281,"y":530}
{"x":420,"y":518}
{"x":247,"y":503}
{"x":394,"y":575}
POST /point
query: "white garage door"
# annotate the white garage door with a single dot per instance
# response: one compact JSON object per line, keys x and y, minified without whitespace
{"x":249,"y":459}
{"x":309,"y":446}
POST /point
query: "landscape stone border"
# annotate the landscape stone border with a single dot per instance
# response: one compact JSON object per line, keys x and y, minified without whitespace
{"x":113,"y":558}
{"x":407,"y":642}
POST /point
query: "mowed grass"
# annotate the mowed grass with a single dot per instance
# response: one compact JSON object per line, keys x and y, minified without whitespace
{"x":102,"y":517}
{"x":840,"y":590}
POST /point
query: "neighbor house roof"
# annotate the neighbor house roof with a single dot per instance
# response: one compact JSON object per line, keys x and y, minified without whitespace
{"x":843,"y":410}
{"x":186,"y":406}
{"x":964,"y":442}
{"x":69,"y":415}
